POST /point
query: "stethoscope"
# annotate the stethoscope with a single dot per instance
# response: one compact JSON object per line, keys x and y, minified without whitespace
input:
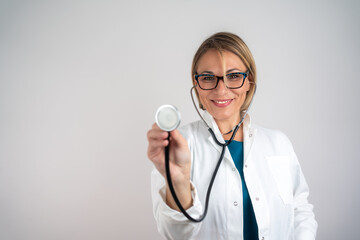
{"x":168,"y":118}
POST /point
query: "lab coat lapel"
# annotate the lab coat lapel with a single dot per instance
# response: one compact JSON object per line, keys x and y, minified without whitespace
{"x":249,"y":134}
{"x":211,"y":122}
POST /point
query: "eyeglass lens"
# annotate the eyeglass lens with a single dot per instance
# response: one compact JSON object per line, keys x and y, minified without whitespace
{"x":232,"y":80}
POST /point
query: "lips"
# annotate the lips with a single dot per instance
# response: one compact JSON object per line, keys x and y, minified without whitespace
{"x":222,"y":102}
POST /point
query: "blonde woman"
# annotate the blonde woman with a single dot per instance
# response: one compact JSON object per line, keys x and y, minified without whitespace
{"x":259,"y":191}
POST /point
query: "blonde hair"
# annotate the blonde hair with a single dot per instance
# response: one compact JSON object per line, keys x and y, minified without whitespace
{"x":225,"y":41}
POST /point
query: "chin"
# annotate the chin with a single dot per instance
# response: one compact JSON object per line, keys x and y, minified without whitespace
{"x":221,"y":115}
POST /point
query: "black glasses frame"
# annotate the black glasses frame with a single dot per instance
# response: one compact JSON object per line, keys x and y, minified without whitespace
{"x":218,"y":78}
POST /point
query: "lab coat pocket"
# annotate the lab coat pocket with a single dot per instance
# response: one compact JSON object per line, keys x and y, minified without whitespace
{"x":280,"y":170}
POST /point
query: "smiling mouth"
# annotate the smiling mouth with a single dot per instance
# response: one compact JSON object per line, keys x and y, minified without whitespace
{"x":222,"y":103}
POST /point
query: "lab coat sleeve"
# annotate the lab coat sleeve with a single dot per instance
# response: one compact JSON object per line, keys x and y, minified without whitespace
{"x":305,"y":224}
{"x":172,"y":224}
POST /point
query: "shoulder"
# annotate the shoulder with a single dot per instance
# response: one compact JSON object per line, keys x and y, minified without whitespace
{"x":272,"y":137}
{"x":271,"y":133}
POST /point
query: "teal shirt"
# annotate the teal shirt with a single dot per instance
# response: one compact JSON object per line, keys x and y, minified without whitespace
{"x":250,"y":226}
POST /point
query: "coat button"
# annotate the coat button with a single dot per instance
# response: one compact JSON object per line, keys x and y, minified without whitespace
{"x":250,"y":135}
{"x":235,"y":203}
{"x":233,"y":169}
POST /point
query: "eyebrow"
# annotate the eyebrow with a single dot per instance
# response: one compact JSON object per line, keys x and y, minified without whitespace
{"x":228,"y":71}
{"x":206,"y":72}
{"x":233,"y":69}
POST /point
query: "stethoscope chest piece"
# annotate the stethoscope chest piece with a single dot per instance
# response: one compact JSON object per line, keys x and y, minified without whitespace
{"x":167,"y":117}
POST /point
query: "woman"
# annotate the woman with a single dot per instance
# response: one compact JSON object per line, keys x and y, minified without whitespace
{"x":259,"y":191}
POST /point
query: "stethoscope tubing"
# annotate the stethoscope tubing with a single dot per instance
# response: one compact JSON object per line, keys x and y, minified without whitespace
{"x":171,"y":187}
{"x":223,"y":145}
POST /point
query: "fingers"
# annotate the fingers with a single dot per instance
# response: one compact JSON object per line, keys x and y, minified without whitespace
{"x":179,"y":152}
{"x":157,"y":139}
{"x":156,"y":134}
{"x":178,"y":139}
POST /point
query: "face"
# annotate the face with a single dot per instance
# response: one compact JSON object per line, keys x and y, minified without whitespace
{"x":222,"y":103}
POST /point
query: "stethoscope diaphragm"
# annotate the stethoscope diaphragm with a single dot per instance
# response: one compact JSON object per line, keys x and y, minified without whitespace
{"x":167,"y":117}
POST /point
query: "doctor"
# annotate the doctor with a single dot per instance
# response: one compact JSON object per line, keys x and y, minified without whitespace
{"x":259,"y":191}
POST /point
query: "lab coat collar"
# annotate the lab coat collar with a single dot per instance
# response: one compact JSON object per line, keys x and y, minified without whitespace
{"x":248,"y":133}
{"x":211,"y":122}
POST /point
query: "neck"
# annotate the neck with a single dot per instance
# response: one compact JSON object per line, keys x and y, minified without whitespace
{"x":226,"y":126}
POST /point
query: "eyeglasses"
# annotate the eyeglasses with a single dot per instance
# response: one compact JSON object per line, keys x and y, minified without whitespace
{"x":232,"y":80}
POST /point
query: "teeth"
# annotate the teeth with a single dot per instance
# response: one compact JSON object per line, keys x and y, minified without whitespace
{"x":222,"y":102}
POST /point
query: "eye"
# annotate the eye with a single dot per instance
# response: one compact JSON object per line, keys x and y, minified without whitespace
{"x":234,"y":76}
{"x":207,"y":78}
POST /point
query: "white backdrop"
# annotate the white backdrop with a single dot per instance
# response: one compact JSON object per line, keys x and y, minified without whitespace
{"x":80,"y":82}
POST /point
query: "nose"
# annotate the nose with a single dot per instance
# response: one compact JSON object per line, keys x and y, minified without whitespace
{"x":221,"y":87}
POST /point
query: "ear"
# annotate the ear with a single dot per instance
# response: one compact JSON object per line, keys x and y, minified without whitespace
{"x":247,"y":84}
{"x":249,"y":80}
{"x":193,"y":79}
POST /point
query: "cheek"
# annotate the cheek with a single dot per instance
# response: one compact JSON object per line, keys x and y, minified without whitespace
{"x":244,"y":90}
{"x":241,"y":96}
{"x":202,"y":96}
{"x":203,"y":100}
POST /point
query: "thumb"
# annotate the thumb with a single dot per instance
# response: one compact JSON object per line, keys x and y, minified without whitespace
{"x":178,"y":139}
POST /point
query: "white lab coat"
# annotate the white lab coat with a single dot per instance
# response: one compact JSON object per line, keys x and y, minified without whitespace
{"x":273,"y":176}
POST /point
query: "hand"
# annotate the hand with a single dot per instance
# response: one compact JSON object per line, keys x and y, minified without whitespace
{"x":180,"y":161}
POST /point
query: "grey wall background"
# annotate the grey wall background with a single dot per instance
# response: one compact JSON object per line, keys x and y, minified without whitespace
{"x":80,"y":82}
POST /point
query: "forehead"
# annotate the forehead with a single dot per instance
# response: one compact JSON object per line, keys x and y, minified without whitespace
{"x":215,"y":61}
